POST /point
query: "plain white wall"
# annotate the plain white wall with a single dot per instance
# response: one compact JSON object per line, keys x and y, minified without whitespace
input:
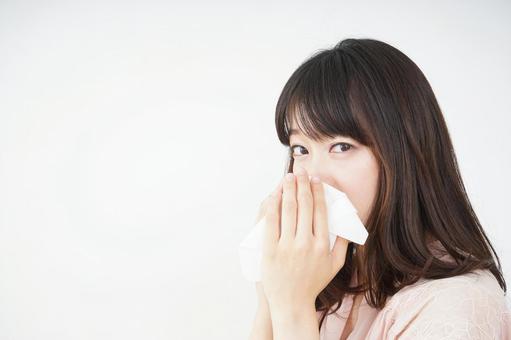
{"x":137,"y":140}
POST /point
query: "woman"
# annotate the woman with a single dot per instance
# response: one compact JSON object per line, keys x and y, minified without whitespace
{"x":363,"y":118}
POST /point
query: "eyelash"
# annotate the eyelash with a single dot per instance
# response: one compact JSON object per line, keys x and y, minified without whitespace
{"x":291,"y":147}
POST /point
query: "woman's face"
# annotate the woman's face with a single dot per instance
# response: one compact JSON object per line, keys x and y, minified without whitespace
{"x":340,"y":162}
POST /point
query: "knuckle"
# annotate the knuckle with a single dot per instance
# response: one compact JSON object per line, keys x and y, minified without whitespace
{"x":288,"y":185}
{"x":305,"y":196}
{"x":322,"y":247}
{"x":284,"y":247}
{"x":289,"y":210}
{"x":288,"y":194}
{"x":302,"y":245}
{"x":289,"y":200}
{"x":320,"y":201}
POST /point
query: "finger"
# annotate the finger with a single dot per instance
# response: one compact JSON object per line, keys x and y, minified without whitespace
{"x":262,"y":210}
{"x":320,"y":214}
{"x":339,"y":253}
{"x":279,"y":192}
{"x":271,"y":227}
{"x":305,"y":206}
{"x":279,"y":186}
{"x":289,"y":207}
{"x":264,"y":203}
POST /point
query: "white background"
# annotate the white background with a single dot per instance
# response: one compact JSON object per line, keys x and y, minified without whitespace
{"x":137,"y":140}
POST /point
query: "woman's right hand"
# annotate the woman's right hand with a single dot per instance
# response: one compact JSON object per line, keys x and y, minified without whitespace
{"x":262,"y":328}
{"x":262,"y":211}
{"x":264,"y":204}
{"x":261,"y":297}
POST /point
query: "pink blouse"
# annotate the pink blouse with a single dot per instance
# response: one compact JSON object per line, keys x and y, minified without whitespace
{"x":469,"y":306}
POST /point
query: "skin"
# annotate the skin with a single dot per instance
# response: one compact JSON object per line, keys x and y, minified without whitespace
{"x":296,"y":261}
{"x":350,"y":169}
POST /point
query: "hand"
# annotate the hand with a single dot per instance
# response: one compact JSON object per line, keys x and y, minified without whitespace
{"x":261,"y":297}
{"x":262,"y":327}
{"x":264,"y":204}
{"x":297,"y":263}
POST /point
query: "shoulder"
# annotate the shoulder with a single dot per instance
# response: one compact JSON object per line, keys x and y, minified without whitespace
{"x":467,"y":306}
{"x":481,"y":283}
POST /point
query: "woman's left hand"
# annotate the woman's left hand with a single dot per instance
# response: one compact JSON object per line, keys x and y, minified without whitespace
{"x":297,"y":263}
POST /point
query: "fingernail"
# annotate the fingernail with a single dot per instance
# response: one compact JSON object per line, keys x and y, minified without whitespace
{"x":289,"y":177}
{"x":315,"y":179}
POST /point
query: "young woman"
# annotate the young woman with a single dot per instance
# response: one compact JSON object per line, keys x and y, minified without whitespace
{"x":363,"y":118}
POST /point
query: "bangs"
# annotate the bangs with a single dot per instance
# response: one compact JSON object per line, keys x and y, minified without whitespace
{"x":317,"y":99}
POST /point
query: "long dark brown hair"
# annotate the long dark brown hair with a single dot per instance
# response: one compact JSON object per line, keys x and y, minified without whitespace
{"x":372,"y":92}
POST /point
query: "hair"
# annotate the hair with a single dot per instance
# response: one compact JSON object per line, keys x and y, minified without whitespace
{"x":372,"y":92}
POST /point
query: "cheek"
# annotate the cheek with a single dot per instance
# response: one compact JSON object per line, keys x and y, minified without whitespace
{"x":359,"y":182}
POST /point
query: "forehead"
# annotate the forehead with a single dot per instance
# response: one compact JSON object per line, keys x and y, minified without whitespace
{"x":294,"y":130}
{"x":299,"y":126}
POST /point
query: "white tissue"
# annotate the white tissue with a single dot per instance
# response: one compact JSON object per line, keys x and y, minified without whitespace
{"x":343,"y":221}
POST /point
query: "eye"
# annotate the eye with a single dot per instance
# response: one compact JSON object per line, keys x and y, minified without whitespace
{"x":344,"y":147}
